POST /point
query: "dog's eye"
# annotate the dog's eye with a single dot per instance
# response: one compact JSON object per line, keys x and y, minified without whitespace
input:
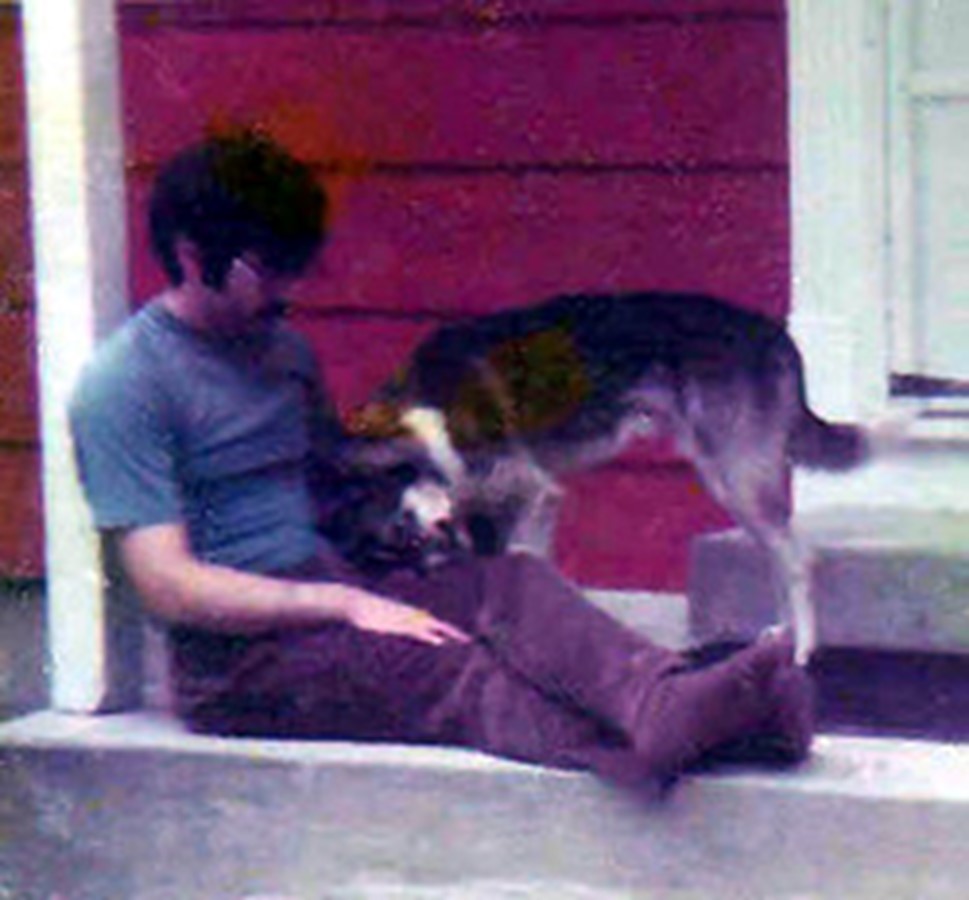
{"x":404,"y":473}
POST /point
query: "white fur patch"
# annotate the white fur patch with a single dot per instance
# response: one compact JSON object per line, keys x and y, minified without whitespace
{"x":429,"y":502}
{"x":430,"y":427}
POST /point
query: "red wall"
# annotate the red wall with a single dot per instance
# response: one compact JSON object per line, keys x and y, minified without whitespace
{"x":487,"y":154}
{"x":21,"y":541}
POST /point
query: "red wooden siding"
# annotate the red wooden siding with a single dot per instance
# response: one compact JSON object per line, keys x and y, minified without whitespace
{"x":630,"y":524}
{"x":474,"y":242}
{"x":482,"y":154}
{"x":21,"y":546}
{"x":21,"y":527}
{"x":447,"y":96}
{"x":21,"y":540}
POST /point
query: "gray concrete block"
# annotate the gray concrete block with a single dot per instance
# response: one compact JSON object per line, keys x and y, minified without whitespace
{"x":23,"y":684}
{"x":130,"y":807}
{"x":664,"y":618}
{"x":879,"y":580}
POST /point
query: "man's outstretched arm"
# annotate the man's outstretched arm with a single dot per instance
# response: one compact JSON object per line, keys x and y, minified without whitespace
{"x":179,"y":588}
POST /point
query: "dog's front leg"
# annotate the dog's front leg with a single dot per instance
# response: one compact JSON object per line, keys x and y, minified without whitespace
{"x":534,"y":530}
{"x":793,"y":559}
{"x":529,"y":499}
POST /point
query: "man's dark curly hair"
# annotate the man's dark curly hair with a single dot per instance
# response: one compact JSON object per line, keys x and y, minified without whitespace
{"x":236,"y":193}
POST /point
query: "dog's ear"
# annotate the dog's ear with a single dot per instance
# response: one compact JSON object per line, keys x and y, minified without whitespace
{"x":378,"y":420}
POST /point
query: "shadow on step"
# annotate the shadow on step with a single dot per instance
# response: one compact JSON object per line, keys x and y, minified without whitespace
{"x":877,"y":692}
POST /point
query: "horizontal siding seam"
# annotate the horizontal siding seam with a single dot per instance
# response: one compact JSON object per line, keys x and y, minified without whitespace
{"x":517,"y":169}
{"x":15,"y":167}
{"x":151,"y":17}
{"x":520,"y":169}
{"x":19,"y":446}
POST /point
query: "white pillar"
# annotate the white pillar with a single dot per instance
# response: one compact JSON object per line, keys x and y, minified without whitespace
{"x":839,"y":312}
{"x":838,"y":127}
{"x":77,"y":193}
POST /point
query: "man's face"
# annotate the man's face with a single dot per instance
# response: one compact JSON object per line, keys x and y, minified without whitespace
{"x":249,"y":302}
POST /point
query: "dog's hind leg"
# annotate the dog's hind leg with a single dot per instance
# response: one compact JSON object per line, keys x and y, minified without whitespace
{"x":757,"y":501}
{"x":794,"y":561}
{"x":741,"y":460}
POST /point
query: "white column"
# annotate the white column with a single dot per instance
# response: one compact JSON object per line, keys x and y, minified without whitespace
{"x":77,"y":193}
{"x":840,"y":71}
{"x":839,"y":219}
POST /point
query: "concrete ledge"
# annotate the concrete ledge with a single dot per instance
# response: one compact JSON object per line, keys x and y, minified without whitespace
{"x":131,"y":807}
{"x":881,"y":580}
{"x":165,"y":736}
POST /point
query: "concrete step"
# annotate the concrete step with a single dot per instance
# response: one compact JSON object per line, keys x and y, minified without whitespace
{"x":892,"y":596}
{"x":882,"y":580}
{"x":131,"y":807}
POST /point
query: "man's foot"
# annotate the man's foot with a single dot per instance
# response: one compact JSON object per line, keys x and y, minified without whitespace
{"x":786,"y":736}
{"x":690,"y":713}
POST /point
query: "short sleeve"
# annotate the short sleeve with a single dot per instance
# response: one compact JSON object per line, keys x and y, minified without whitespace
{"x":323,"y":420}
{"x":124,"y":446}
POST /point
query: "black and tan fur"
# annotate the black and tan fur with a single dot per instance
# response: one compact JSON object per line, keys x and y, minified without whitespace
{"x":506,"y":403}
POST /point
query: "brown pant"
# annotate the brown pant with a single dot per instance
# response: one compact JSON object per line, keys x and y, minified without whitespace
{"x":548,"y":678}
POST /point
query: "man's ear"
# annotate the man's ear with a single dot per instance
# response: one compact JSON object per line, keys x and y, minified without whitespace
{"x":189,"y":259}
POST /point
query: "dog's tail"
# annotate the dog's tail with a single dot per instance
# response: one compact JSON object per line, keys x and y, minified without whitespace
{"x":813,"y":442}
{"x":819,"y":444}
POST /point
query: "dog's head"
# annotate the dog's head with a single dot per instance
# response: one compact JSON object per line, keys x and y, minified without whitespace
{"x":387,"y":505}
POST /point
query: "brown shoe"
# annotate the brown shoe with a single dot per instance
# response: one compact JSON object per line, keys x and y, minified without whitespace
{"x":692,"y":712}
{"x":785,"y":737}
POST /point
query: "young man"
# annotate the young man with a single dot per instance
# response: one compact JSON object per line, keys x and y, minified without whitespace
{"x":197,"y":425}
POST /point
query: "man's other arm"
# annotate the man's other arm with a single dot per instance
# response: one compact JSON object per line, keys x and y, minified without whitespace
{"x":181,"y":589}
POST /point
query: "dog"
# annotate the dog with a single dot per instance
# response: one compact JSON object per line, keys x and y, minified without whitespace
{"x":503,"y":405}
{"x":385,"y":505}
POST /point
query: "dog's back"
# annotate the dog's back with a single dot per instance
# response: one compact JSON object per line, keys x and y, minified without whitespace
{"x":566,"y":370}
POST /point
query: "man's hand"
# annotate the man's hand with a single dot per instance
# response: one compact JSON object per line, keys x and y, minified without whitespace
{"x":371,"y":612}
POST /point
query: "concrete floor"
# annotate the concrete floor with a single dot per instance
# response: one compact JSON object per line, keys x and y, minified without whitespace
{"x":131,"y":807}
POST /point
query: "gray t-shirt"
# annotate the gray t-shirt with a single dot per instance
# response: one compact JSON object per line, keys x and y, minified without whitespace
{"x":173,"y":426}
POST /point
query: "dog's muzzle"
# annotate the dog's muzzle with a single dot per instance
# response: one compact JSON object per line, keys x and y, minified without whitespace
{"x":427,"y":521}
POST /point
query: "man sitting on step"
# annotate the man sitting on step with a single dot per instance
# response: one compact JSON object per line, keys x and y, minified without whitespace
{"x":197,"y":425}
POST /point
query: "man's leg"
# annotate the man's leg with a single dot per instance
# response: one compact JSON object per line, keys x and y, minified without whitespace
{"x":340,"y":682}
{"x":542,"y":627}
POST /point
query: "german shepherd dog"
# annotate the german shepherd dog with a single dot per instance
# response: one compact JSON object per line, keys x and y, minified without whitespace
{"x":488,"y":413}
